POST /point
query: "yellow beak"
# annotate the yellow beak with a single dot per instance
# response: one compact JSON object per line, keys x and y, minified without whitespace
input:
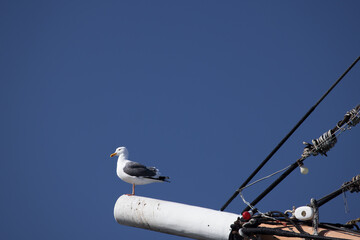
{"x":112,"y":154}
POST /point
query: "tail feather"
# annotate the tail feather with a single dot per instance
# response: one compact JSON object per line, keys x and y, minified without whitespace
{"x":160,"y":178}
{"x":163,"y":178}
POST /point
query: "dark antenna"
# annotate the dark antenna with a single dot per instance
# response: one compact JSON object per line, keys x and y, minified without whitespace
{"x":287,"y":136}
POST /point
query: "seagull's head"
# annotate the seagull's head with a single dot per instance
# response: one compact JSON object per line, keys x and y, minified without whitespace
{"x":120,"y":151}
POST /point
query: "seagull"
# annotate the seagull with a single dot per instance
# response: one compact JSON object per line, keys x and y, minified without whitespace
{"x":135,"y":173}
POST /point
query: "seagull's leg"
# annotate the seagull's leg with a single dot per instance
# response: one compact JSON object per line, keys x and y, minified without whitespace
{"x":133,"y":191}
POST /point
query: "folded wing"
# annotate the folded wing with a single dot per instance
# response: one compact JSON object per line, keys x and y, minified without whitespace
{"x":138,"y":170}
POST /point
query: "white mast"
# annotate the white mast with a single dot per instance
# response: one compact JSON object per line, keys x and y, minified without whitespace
{"x":173,"y":218}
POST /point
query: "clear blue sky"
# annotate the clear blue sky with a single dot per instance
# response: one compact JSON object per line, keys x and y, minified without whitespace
{"x":203,"y":90}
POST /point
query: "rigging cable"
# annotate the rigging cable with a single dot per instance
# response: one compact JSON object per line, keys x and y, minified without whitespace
{"x":320,"y":145}
{"x":266,"y":177}
{"x":287,"y":136}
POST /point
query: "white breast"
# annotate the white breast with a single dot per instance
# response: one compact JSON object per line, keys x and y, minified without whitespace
{"x":121,"y":174}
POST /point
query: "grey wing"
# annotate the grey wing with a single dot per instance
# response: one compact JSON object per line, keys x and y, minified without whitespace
{"x":139,"y":170}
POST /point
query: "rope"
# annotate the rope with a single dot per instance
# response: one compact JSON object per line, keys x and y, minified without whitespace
{"x":315,"y":221}
{"x":297,"y":226}
{"x":324,"y":143}
{"x":265,"y":215}
{"x":346,"y":205}
{"x":248,"y":204}
{"x":353,"y":222}
{"x":261,"y":179}
{"x":353,"y":185}
{"x":353,"y":114}
{"x":328,"y":140}
{"x":343,"y":228}
{"x":321,"y":145}
{"x":234,"y":234}
{"x":255,"y":209}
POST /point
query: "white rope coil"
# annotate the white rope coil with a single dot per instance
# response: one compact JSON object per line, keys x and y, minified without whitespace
{"x":324,"y":143}
{"x":328,"y":140}
{"x":354,"y":116}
